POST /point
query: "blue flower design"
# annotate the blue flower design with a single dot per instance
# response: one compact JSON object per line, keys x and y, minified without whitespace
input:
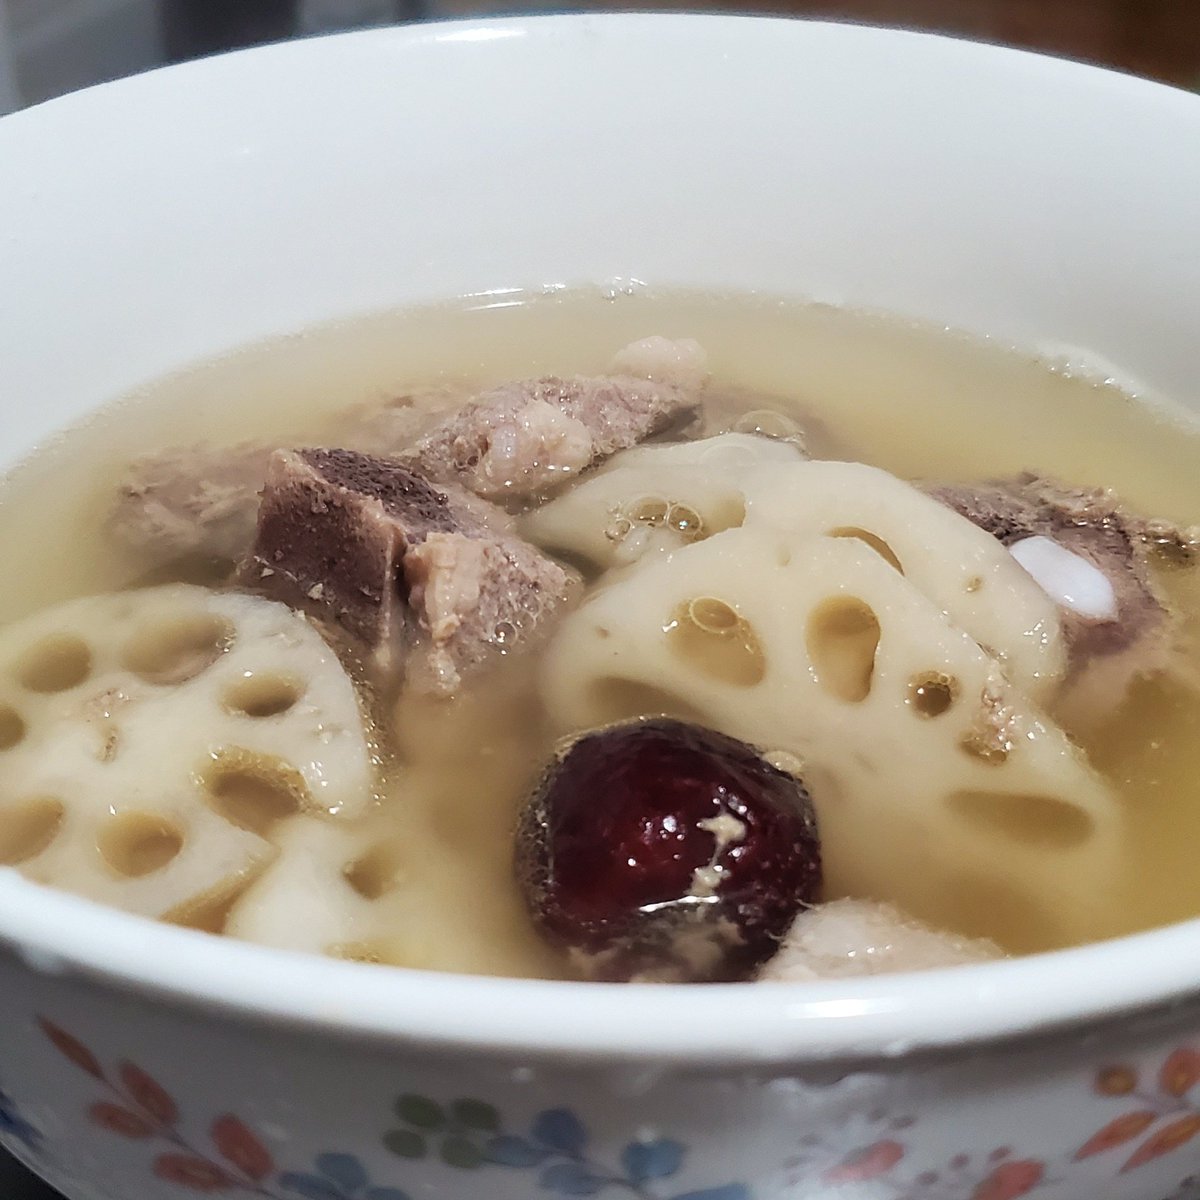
{"x":337,"y":1177}
{"x":13,"y":1125}
{"x":557,"y":1143}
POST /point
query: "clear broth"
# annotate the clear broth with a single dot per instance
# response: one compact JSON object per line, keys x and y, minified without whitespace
{"x":918,"y":401}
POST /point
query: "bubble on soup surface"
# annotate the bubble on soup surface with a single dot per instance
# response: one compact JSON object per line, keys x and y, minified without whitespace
{"x":658,"y":850}
{"x":932,"y":693}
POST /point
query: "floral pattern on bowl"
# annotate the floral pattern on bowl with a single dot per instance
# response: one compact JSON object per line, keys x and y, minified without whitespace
{"x":465,"y":1134}
{"x":1159,"y":1117}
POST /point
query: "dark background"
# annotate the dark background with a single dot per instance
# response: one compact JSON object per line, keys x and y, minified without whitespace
{"x":1158,"y":38}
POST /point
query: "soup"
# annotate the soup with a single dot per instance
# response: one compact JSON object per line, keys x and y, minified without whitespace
{"x":795,"y":627}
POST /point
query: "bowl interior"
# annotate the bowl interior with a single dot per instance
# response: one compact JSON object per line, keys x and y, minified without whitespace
{"x":168,"y":218}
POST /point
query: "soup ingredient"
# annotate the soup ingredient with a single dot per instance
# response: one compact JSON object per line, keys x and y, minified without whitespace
{"x":849,"y":938}
{"x":664,"y":851}
{"x":514,"y":440}
{"x":192,"y":503}
{"x":634,"y":505}
{"x":531,"y":436}
{"x":1091,"y":556}
{"x":201,"y":502}
{"x":307,"y":899}
{"x":422,"y":578}
{"x":160,"y":734}
{"x":937,"y":782}
{"x":681,"y":361}
{"x":963,"y":572}
{"x":655,"y":498}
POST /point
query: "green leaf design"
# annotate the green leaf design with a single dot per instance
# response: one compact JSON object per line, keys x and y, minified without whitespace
{"x":405,"y":1143}
{"x":458,"y":1152}
{"x":475,"y":1114}
{"x":421,"y":1112}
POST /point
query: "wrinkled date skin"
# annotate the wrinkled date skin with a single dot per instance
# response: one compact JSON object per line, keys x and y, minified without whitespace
{"x":659,"y":850}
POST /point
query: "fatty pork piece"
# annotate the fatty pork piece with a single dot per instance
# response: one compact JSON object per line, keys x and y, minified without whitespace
{"x":513,"y":441}
{"x":1091,"y":555}
{"x":528,"y":438}
{"x":421,"y":578}
{"x":850,"y":938}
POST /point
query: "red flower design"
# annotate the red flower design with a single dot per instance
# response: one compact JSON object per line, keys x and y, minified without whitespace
{"x":1169,"y":1138}
{"x":866,"y":1163}
{"x":1180,"y":1072}
{"x":1116,"y":1081}
{"x":72,"y":1048}
{"x":148,"y":1095}
{"x":119,"y":1120}
{"x":1117,"y":1133}
{"x":190,"y":1172}
{"x":1010,"y":1180}
{"x":242,"y":1148}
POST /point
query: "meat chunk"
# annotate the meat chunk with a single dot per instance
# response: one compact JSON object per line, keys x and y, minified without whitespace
{"x":851,"y":938}
{"x":475,"y":597}
{"x":513,"y":441}
{"x":421,"y":578}
{"x":191,"y":502}
{"x":526,"y":438}
{"x":201,"y":502}
{"x":1091,"y":556}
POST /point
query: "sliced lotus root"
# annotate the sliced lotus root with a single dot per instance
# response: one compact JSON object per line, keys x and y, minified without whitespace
{"x":973,"y":579}
{"x":655,"y":498}
{"x":320,"y":894}
{"x":154,"y":736}
{"x":939,"y":786}
{"x":664,"y":497}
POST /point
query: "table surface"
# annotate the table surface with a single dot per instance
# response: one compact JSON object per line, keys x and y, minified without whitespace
{"x":16,"y":1183}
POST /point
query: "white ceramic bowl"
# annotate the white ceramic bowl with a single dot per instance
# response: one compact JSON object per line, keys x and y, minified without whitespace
{"x":165,"y":219}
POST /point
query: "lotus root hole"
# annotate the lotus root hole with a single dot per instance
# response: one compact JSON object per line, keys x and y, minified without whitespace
{"x":932,"y":693}
{"x":56,"y":664}
{"x":261,"y":696}
{"x":714,"y":639}
{"x":874,"y":541}
{"x":375,"y":873}
{"x":253,"y":792}
{"x":649,"y":510}
{"x":1030,"y":820}
{"x":842,"y":640}
{"x":180,"y":648}
{"x":28,"y":828}
{"x":136,"y":843}
{"x":12,"y":727}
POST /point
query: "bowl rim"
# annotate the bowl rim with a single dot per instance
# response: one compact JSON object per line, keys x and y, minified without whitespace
{"x":884,"y":1017}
